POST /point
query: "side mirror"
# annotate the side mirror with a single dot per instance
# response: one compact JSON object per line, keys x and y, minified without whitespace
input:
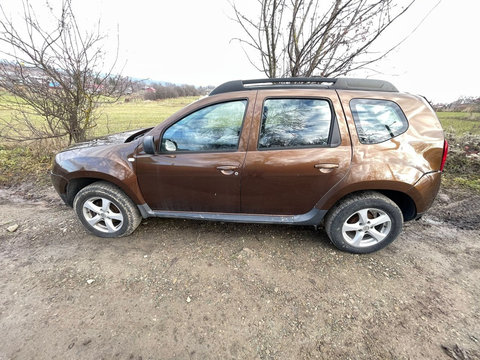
{"x":148,"y":145}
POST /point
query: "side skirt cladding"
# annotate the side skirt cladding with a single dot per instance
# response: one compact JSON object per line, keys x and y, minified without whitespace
{"x":313,"y":217}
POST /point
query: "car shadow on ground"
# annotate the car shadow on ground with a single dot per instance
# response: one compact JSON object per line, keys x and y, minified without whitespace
{"x":218,"y":233}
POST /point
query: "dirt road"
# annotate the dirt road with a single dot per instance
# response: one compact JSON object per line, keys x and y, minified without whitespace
{"x":196,"y":290}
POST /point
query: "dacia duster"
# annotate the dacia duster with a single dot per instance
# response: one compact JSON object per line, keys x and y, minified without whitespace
{"x":354,"y":155}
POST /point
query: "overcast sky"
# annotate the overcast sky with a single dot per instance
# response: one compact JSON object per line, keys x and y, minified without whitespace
{"x":189,"y":41}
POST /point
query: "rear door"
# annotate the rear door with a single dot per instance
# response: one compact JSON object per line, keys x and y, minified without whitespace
{"x":299,"y":149}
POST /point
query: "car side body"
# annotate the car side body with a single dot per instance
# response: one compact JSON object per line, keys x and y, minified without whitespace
{"x":254,"y":183}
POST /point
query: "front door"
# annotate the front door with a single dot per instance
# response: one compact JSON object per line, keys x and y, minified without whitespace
{"x":198,"y":167}
{"x":296,"y":153}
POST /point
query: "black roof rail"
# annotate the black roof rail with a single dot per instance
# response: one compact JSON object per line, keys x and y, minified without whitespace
{"x":305,"y":82}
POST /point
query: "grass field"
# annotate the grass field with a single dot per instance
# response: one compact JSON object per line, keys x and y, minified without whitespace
{"x":132,"y":115}
{"x":137,"y":114}
{"x":31,"y":161}
{"x":123,"y":116}
{"x":460,"y":123}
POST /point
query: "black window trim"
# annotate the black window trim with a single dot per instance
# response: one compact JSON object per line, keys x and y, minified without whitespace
{"x":160,"y":152}
{"x":333,"y":125}
{"x":375,"y":99}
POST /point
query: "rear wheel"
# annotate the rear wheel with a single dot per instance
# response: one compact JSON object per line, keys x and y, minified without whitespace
{"x":364,"y":223}
{"x":106,"y":211}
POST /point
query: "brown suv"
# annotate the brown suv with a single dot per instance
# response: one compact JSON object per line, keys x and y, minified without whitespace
{"x":354,"y":154}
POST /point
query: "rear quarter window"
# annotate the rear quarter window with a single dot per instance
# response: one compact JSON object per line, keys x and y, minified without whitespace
{"x":377,"y":120}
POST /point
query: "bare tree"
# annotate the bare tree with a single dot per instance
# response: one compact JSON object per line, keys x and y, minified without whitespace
{"x":313,"y":37}
{"x":53,"y":80}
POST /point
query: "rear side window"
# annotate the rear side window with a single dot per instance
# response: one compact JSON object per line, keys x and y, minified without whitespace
{"x":377,"y":120}
{"x":292,"y":123}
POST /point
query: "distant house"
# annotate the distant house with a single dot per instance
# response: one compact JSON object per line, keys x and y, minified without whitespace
{"x":440,"y":107}
{"x":149,"y":90}
{"x":53,"y":84}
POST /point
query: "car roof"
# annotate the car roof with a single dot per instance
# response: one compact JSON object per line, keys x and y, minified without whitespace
{"x":305,"y":83}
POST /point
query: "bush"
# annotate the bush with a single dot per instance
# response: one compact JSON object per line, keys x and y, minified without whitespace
{"x":27,"y":162}
{"x":169,"y":91}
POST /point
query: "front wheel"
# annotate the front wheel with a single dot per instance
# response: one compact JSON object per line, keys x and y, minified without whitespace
{"x":106,"y":211}
{"x":364,"y":223}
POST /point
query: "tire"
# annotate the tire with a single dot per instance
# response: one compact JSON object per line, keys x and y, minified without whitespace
{"x":364,"y":223}
{"x":106,"y":211}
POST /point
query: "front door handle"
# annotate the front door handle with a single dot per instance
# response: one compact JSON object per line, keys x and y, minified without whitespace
{"x":326,"y":167}
{"x":228,"y":169}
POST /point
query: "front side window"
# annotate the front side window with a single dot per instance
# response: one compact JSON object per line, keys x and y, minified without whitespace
{"x":290,"y":123}
{"x":213,"y":128}
{"x":377,"y":120}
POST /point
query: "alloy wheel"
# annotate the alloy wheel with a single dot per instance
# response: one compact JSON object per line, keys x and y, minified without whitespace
{"x":366,"y":227}
{"x":102,"y":214}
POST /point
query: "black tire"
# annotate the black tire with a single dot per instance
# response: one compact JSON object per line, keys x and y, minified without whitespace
{"x":109,"y":204}
{"x":372,"y":204}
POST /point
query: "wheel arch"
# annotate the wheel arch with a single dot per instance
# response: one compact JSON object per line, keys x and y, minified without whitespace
{"x":76,"y":184}
{"x":401,"y":199}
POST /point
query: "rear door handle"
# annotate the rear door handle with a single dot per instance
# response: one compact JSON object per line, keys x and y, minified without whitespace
{"x":326,"y":167}
{"x":228,"y":169}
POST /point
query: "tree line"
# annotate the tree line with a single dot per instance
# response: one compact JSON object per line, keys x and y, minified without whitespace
{"x":157,"y":91}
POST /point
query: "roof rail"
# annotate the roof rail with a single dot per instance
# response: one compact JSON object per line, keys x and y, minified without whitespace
{"x":335,"y":83}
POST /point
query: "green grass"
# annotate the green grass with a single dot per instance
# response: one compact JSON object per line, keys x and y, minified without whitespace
{"x":24,"y":163}
{"x":124,"y":116}
{"x":473,"y":184}
{"x":460,"y":123}
{"x":31,"y":162}
{"x":120,"y":116}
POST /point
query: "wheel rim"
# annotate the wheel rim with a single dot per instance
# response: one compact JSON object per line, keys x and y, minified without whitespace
{"x":366,"y":227}
{"x":102,"y":214}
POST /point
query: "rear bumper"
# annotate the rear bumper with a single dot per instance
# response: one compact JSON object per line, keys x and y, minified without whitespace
{"x":425,"y":190}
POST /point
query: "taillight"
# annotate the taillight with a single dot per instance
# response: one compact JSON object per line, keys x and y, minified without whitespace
{"x":444,"y":156}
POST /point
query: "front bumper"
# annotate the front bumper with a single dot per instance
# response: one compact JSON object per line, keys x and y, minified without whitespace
{"x":60,"y":185}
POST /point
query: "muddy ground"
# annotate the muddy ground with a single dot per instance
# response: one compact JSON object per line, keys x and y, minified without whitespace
{"x":196,"y":290}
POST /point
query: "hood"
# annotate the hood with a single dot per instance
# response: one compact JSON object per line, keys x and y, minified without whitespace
{"x":105,"y":155}
{"x":119,"y":138}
